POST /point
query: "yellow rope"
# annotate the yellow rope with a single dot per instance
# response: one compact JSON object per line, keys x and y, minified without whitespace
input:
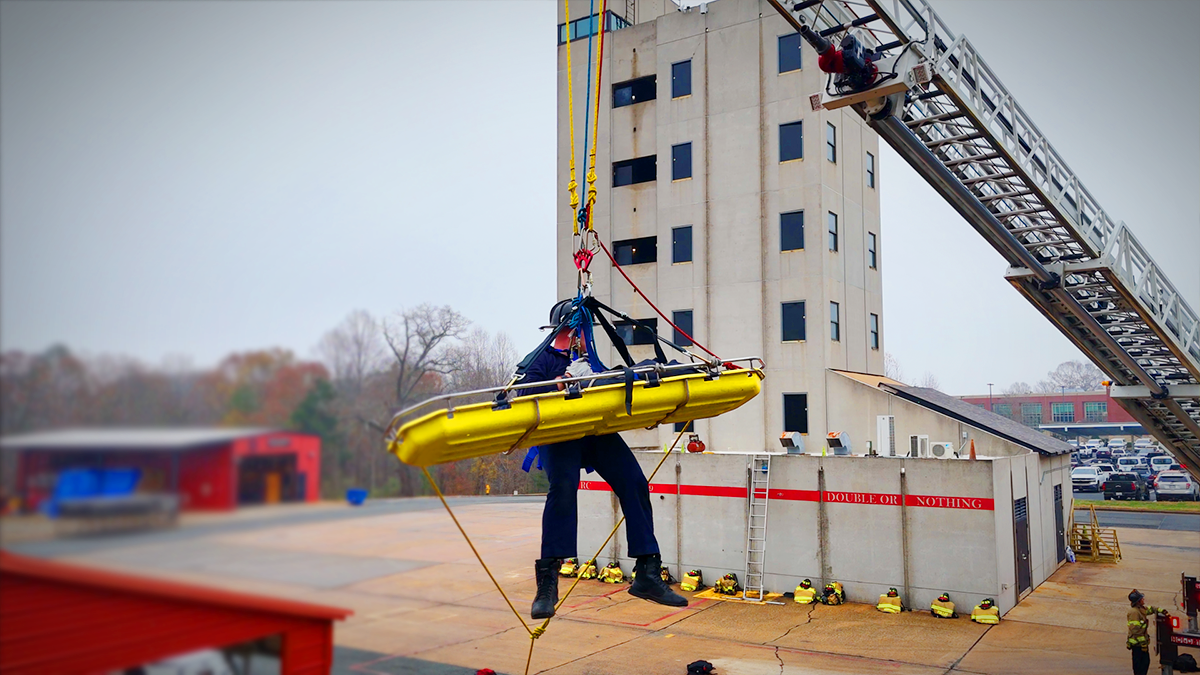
{"x":591,"y":174}
{"x":572,"y":186}
{"x":535,"y":633}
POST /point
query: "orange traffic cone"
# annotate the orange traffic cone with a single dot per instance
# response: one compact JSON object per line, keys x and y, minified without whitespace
{"x":972,"y":449}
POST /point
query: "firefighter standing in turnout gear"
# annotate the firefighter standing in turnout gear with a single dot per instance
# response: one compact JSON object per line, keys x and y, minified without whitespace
{"x":612,"y":459}
{"x":1138,"y":640}
{"x":805,"y":593}
{"x":942,"y":608}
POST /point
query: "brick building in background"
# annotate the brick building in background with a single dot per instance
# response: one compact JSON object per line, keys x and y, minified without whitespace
{"x":1071,"y":414}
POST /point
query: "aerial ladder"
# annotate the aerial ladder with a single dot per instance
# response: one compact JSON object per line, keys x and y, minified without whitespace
{"x":929,"y":94}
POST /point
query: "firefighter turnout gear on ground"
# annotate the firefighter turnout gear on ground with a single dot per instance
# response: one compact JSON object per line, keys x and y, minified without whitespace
{"x":727,"y":585}
{"x":588,"y":570}
{"x":570,"y":567}
{"x":805,"y":593}
{"x":942,"y":608}
{"x":692,"y":581}
{"x":986,"y":612}
{"x":833,"y":593}
{"x":890,"y":602}
{"x":611,"y":574}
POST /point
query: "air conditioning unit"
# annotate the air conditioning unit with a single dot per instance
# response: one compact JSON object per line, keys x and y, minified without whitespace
{"x":944,"y":450}
{"x":918,"y":446}
{"x":838,"y":442}
{"x":885,"y":430}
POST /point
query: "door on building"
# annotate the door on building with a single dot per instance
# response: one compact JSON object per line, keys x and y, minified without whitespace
{"x":1021,"y":534}
{"x":1059,"y":527}
{"x":267,"y":479}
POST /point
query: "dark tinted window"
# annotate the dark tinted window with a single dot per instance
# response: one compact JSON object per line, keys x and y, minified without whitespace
{"x":637,"y":170}
{"x":872,"y":257}
{"x":870,"y":170}
{"x":835,"y":322}
{"x":637,"y":335}
{"x":679,"y":426}
{"x":634,"y":91}
{"x":791,"y":231}
{"x":681,"y":161}
{"x":791,"y":141}
{"x":874,"y":331}
{"x":1123,"y":476}
{"x":789,"y":52}
{"x":681,"y":79}
{"x":681,"y":244}
{"x":635,"y":251}
{"x":795,"y":412}
{"x":833,"y":232}
{"x":793,"y":321}
{"x":683,"y":319}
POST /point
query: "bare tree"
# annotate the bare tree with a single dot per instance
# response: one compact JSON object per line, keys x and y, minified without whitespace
{"x":353,"y":350}
{"x":1018,"y":389}
{"x":929,"y":381}
{"x":891,"y":367}
{"x":1044,"y":387}
{"x":482,"y":361}
{"x":421,"y":340}
{"x":1075,"y":376}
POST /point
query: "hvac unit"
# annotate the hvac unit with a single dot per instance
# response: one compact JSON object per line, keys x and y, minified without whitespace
{"x":918,"y":446}
{"x":943,"y":450}
{"x":885,"y":426}
{"x":838,"y":442}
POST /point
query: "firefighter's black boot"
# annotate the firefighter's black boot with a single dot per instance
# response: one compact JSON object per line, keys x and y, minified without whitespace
{"x":546,"y":573}
{"x":648,"y":584}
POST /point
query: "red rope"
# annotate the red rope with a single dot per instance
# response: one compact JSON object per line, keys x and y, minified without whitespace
{"x":652,"y":305}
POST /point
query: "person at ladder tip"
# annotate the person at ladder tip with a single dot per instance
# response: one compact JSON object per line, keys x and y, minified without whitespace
{"x":1138,"y":640}
{"x":613,"y":460}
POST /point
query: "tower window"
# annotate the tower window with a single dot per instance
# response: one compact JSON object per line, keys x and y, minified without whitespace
{"x":872,"y":256}
{"x":682,"y":319}
{"x":833,"y":231}
{"x":874,"y":331}
{"x":634,"y":91}
{"x":634,"y":334}
{"x":795,"y":412}
{"x":830,"y":142}
{"x":637,"y":170}
{"x":681,"y":79}
{"x":870,"y":170}
{"x":835,"y":322}
{"x":681,"y":244}
{"x":793,"y":321}
{"x":635,"y":251}
{"x":789,"y":52}
{"x":791,"y":231}
{"x":681,"y":161}
{"x":791,"y":141}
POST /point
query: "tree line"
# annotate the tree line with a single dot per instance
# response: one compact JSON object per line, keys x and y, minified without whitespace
{"x":366,"y":369}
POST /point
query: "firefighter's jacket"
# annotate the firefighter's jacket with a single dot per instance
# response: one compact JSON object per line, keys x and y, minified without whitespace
{"x":991,"y":615}
{"x":889,"y":604}
{"x":943,"y":610}
{"x":806,"y":596}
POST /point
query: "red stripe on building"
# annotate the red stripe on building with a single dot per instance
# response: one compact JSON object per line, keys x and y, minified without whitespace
{"x":831,"y":496}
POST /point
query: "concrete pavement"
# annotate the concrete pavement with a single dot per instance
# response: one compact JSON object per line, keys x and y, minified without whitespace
{"x":422,"y":603}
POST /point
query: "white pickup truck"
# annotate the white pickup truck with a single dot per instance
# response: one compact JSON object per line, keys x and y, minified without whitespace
{"x":1086,"y":479}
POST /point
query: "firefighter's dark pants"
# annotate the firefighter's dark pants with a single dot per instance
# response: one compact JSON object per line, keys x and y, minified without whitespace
{"x":1141,"y":661}
{"x":613,"y":460}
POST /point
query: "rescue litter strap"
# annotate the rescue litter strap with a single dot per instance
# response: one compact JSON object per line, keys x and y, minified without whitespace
{"x":535,"y":633}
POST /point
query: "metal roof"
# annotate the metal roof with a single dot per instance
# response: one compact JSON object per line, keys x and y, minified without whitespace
{"x":129,"y":439}
{"x":976,"y":416}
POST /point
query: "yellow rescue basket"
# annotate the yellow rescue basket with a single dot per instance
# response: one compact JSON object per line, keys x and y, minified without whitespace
{"x":481,"y":429}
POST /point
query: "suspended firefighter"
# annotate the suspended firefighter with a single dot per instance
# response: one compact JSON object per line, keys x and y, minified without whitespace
{"x":569,"y":352}
{"x":851,"y":64}
{"x":586,"y":571}
{"x":942,"y":608}
{"x":728,"y":585}
{"x":805,"y":593}
{"x":611,"y":574}
{"x":692,"y":581}
{"x":890,"y":603}
{"x":833,"y":593}
{"x":986,"y":612}
{"x":569,"y":568}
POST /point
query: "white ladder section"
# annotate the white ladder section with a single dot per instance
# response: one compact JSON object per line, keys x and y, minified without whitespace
{"x":756,"y":527}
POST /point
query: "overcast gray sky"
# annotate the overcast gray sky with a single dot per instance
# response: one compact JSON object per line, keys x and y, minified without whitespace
{"x":194,"y":178}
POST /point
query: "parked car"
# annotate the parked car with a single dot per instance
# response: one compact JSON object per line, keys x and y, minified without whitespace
{"x":1177,"y":485}
{"x":1117,"y":444}
{"x":1105,"y":468}
{"x":1160,"y":463}
{"x":1104,"y":454}
{"x":1086,"y":479}
{"x":1128,"y":463}
{"x":1076,"y":460}
{"x":1126,"y":485}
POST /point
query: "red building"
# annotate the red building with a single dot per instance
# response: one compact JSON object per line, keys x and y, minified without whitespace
{"x":209,"y":468}
{"x":60,"y":618}
{"x":1092,"y":413}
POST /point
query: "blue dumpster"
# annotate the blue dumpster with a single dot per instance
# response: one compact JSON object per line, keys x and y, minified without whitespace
{"x":356,"y":496}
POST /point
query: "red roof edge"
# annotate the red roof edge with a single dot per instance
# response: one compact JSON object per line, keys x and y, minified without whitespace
{"x":79,"y":575}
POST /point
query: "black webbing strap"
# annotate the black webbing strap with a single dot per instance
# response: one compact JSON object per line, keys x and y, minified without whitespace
{"x":659,"y":355}
{"x":612,"y":335}
{"x":629,"y":378}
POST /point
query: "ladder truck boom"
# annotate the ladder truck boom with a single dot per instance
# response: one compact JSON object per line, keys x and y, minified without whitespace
{"x":936,"y":102}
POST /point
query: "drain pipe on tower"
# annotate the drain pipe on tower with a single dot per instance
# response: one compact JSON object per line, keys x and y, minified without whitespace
{"x":904,"y":529}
